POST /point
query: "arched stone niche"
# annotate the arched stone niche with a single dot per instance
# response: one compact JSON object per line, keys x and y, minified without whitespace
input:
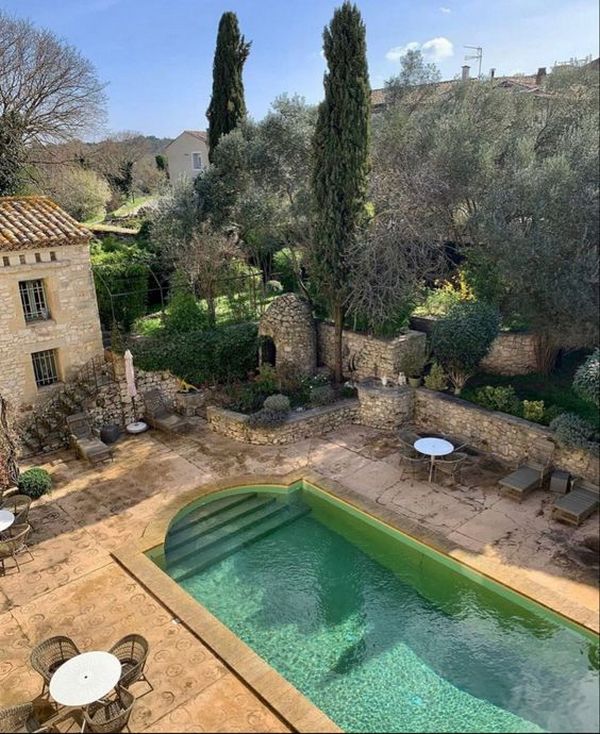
{"x":289,"y":322}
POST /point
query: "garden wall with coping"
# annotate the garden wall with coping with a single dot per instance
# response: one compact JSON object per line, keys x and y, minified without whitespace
{"x":385,"y":407}
{"x":511,"y":353}
{"x":506,"y":436}
{"x":299,"y":425}
{"x":367,"y":356}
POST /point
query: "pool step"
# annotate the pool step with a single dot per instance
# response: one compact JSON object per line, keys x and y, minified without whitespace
{"x":204,"y":512}
{"x":233,"y":541}
{"x":204,"y":540}
{"x":179,"y":536}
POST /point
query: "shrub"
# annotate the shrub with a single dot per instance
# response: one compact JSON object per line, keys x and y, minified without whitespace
{"x":79,"y":191}
{"x":552,"y":412}
{"x":533,"y":410}
{"x":462,"y":339}
{"x":277,"y":403}
{"x":322,"y":395}
{"x":35,"y":482}
{"x":267,"y":379}
{"x":503,"y":399}
{"x":217,"y":356}
{"x":267,"y":418}
{"x":184,"y":314}
{"x":587,"y":379}
{"x":290,"y":379}
{"x":436,"y":379}
{"x":121,"y":280}
{"x":571,"y":430}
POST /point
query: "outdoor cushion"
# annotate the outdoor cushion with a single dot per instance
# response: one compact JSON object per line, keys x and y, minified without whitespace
{"x":578,"y":504}
{"x":521,"y":482}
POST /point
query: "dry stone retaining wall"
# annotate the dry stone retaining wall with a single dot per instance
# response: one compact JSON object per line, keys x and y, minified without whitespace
{"x":511,"y":354}
{"x":370,"y":356}
{"x":385,"y":407}
{"x":313,"y":422}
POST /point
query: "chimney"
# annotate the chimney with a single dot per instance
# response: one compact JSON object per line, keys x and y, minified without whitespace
{"x":492,"y":73}
{"x":465,"y":72}
{"x":540,"y":76}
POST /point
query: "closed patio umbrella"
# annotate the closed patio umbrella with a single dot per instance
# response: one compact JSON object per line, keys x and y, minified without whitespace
{"x":130,"y":379}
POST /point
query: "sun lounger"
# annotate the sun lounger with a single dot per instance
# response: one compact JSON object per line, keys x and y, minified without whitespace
{"x":159,"y":416}
{"x":523,"y":481}
{"x":581,"y":502}
{"x":83,"y":440}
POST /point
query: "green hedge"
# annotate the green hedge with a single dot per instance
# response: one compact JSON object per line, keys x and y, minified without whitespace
{"x":221,"y":355}
{"x":121,"y":280}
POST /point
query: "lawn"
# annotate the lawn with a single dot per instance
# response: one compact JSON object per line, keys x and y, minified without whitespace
{"x":553,"y":389}
{"x":130,"y":207}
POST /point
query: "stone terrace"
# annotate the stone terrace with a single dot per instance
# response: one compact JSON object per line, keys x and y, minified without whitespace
{"x":75,"y":587}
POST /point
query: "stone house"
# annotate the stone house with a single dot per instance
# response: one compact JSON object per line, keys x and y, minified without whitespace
{"x":187,"y":155}
{"x":49,"y":324}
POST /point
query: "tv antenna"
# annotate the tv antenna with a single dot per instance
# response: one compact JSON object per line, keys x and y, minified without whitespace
{"x":477,"y":56}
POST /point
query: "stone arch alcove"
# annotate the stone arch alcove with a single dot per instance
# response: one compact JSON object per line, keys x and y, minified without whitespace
{"x":289,"y":322}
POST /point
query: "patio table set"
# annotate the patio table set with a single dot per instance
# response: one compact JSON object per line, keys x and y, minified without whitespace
{"x":435,"y":452}
{"x":91,"y":685}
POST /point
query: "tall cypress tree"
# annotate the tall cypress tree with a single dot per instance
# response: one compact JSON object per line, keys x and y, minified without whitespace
{"x":227,"y":106}
{"x":341,"y":165}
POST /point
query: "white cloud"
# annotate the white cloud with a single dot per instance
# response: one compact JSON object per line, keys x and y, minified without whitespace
{"x":435,"y":48}
{"x":438,"y":48}
{"x":396,"y":53}
{"x":447,"y":11}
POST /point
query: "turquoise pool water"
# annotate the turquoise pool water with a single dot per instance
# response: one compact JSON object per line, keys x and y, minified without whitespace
{"x":385,"y":637}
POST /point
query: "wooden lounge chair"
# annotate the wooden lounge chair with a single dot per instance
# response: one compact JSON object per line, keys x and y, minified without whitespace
{"x":522,"y":482}
{"x":83,"y":440}
{"x":581,"y":502}
{"x":159,"y":416}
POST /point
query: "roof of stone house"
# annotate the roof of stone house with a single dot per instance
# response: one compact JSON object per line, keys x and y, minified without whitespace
{"x":199,"y":134}
{"x":524,"y":83}
{"x":30,"y":222}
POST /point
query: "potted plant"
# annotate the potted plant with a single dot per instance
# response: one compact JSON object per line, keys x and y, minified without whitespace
{"x":413,"y":364}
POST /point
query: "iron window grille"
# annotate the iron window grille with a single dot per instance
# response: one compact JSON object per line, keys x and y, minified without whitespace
{"x":33,"y":298}
{"x":44,"y":367}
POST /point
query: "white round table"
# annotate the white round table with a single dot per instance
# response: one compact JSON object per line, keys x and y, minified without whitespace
{"x":84,"y":679}
{"x":433,"y":447}
{"x":6,"y":519}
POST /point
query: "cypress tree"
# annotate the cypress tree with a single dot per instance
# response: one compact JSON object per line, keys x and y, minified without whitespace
{"x":227,"y":106}
{"x":341,"y":152}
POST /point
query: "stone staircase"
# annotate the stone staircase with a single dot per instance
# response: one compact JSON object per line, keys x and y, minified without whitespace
{"x":44,"y":428}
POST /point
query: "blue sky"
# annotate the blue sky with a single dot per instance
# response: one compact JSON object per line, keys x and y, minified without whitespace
{"x":156,"y":55}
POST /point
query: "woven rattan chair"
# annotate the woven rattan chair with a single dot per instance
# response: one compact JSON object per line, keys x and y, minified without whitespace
{"x":109,"y":716}
{"x":451,"y":465}
{"x":413,"y":461}
{"x":15,"y":543}
{"x":18,"y":718}
{"x":132,"y":651}
{"x":47,"y":657}
{"x":19,"y":505}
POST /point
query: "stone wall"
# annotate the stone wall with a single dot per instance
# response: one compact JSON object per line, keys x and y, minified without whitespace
{"x":385,"y":407}
{"x":508,"y":437}
{"x":112,"y":404}
{"x":511,"y":354}
{"x":367,"y":356}
{"x":73,"y":329}
{"x":313,"y":422}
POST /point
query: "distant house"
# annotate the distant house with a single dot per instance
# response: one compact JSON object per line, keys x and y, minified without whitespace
{"x":49,"y":325}
{"x":187,"y":154}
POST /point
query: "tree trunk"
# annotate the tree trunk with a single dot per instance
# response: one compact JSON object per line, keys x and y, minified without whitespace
{"x":545,"y":354}
{"x":211,"y":308}
{"x":338,"y":318}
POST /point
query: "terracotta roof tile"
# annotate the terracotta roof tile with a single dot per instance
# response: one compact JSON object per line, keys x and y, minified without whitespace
{"x":29,"y":222}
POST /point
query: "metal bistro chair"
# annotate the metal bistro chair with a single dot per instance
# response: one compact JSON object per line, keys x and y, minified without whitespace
{"x":132,"y":652}
{"x":15,"y":543}
{"x":451,"y":465}
{"x":47,"y":657}
{"x":413,"y":461}
{"x":109,"y":716}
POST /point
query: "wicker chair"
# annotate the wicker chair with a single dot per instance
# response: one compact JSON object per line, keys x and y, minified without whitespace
{"x":18,"y":718}
{"x":132,"y":651}
{"x":19,"y":505}
{"x":47,"y":657}
{"x":413,"y":461}
{"x":109,"y":716}
{"x":451,"y":465}
{"x":14,"y":544}
{"x":407,"y":438}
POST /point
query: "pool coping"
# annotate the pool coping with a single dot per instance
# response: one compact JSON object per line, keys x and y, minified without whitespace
{"x":291,"y":706}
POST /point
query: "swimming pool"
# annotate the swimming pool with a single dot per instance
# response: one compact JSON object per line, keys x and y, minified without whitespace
{"x":378,"y":630}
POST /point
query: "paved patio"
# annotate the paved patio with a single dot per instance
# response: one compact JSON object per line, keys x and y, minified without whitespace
{"x":75,"y":587}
